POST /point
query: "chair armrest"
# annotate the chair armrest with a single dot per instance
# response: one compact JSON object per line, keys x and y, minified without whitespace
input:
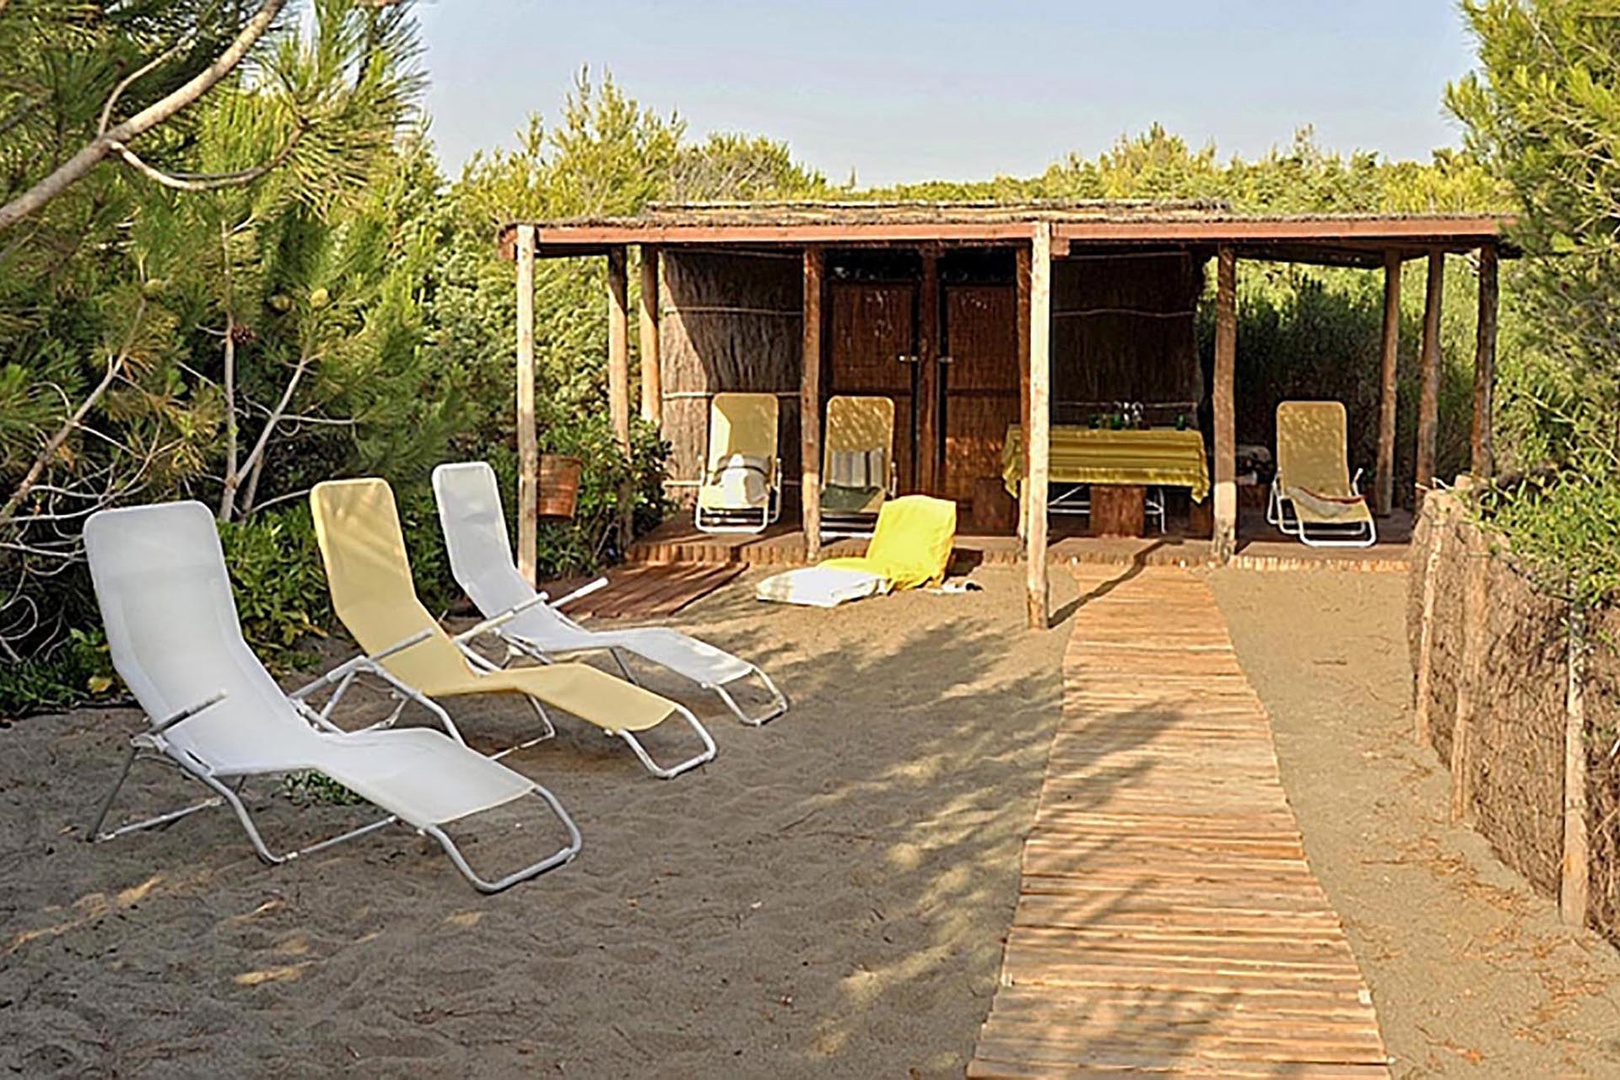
{"x":581,"y":592}
{"x":497,"y":621}
{"x":160,"y":726}
{"x":1355,"y":483}
{"x":349,"y":667}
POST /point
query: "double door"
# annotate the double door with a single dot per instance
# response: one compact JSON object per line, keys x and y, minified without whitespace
{"x":944,"y":347}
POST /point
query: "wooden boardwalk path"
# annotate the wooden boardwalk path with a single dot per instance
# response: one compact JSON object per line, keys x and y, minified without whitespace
{"x":1168,"y":923}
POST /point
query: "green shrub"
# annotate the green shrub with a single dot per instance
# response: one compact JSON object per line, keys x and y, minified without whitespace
{"x":279,"y":582}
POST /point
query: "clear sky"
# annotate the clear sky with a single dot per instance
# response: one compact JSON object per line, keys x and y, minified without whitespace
{"x":905,"y":90}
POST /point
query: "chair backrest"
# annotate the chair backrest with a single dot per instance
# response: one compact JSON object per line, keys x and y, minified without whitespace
{"x":469,"y":499}
{"x":860,"y":425}
{"x":911,"y":545}
{"x":742,"y":424}
{"x":165,"y":597}
{"x":1312,"y":447}
{"x":369,"y":577}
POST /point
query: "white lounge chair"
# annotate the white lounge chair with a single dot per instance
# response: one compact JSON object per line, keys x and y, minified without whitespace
{"x":219,"y":717}
{"x":475,"y":534}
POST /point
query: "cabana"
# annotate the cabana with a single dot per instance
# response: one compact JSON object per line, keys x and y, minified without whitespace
{"x":984,"y":323}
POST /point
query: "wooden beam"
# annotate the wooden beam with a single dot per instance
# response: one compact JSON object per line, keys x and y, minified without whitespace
{"x":618,"y":291}
{"x":1038,"y":435}
{"x":1384,"y":491}
{"x":1223,"y":545}
{"x":1575,"y":871}
{"x":1023,"y":283}
{"x":1482,"y":449}
{"x":652,"y":375}
{"x":1429,"y":398}
{"x":528,"y":440}
{"x":810,"y":405}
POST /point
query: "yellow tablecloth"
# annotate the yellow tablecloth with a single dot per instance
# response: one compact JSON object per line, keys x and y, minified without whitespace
{"x":1157,"y":456}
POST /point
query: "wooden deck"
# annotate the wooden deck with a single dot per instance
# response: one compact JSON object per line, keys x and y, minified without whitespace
{"x":1168,"y":923}
{"x":1260,"y":547}
{"x":647,"y":591}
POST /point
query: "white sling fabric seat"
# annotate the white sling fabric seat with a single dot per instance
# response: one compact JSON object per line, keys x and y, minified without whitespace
{"x":475,"y":535}
{"x":165,"y":597}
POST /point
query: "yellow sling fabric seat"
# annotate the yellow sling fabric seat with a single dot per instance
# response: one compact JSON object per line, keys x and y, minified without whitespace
{"x":369,"y":575}
{"x":1313,"y":496}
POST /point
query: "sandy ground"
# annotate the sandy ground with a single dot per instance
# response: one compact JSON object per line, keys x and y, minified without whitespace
{"x":1471,"y":972}
{"x":827,"y":898}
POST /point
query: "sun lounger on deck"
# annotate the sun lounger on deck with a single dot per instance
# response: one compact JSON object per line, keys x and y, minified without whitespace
{"x":1313,"y":496}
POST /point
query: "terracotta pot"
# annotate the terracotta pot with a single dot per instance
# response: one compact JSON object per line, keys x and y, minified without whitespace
{"x":559,"y":485}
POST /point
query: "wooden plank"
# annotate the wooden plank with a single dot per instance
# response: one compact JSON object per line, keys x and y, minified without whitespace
{"x":652,"y":378}
{"x":1023,"y":302}
{"x":1039,"y":450}
{"x":810,"y":404}
{"x":618,"y":293}
{"x":1428,"y":431}
{"x":928,"y":376}
{"x":1575,"y":866}
{"x":1168,"y":920}
{"x":1384,"y":488}
{"x":1482,"y":450}
{"x":1224,"y":543}
{"x":528,"y":440}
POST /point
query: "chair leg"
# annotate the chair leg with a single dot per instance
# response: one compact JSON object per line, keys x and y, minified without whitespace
{"x":779,"y":702}
{"x":708,"y":753}
{"x":97,"y":835}
{"x":560,"y":857}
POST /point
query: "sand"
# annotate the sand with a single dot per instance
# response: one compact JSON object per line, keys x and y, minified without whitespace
{"x":1471,"y":972}
{"x":828,"y":898}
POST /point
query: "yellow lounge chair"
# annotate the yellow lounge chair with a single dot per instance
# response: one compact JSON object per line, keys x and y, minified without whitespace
{"x":1313,"y":496}
{"x":741,"y":489}
{"x":858,"y":473}
{"x":369,"y":576}
{"x":910,"y":548}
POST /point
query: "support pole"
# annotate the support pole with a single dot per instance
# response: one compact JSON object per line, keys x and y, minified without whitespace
{"x":1038,"y":435}
{"x":1423,"y":692}
{"x":618,"y":290}
{"x":528,"y":440}
{"x":1481,"y":462}
{"x":1429,"y":400}
{"x":1023,"y":276}
{"x":1575,"y":872}
{"x":1384,"y":490}
{"x":652,"y":375}
{"x":1224,"y":543}
{"x":810,"y":406}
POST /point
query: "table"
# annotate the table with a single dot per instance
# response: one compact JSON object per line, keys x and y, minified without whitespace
{"x":1137,"y":459}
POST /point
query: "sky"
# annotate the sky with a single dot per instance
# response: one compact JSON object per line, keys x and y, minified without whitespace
{"x":897,"y":90}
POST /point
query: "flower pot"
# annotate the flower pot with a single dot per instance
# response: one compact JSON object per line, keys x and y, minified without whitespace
{"x":559,"y":485}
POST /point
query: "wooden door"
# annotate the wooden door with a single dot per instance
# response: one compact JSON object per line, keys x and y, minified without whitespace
{"x":980,"y":377}
{"x":872,"y":349}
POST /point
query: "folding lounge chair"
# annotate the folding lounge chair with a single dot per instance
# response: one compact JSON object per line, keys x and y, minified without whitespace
{"x":1313,"y":496}
{"x":481,"y":559}
{"x":369,"y":576}
{"x":220,"y":718}
{"x":858,"y":464}
{"x":741,"y":490}
{"x":910,"y":548}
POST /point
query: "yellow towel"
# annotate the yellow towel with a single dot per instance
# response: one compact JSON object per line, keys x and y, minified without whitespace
{"x":911,"y":545}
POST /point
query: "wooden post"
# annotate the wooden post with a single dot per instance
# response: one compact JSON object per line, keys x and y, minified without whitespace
{"x":652,"y":375}
{"x":618,"y":290}
{"x":1575,"y":872}
{"x":1038,"y":435}
{"x":928,"y":375}
{"x":1224,"y":543}
{"x":1481,"y":448}
{"x":528,"y":439}
{"x":1439,"y":530}
{"x":1429,"y":400}
{"x":810,"y":406}
{"x":1471,"y":671}
{"x":1023,"y":279}
{"x":1384,"y":491}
